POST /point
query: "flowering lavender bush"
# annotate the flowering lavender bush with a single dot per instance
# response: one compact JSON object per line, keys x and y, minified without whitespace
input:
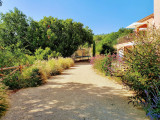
{"x":143,"y":74}
{"x":152,"y":103}
{"x":97,"y":62}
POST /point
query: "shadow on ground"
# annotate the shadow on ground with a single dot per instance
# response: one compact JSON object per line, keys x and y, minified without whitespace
{"x":71,"y":101}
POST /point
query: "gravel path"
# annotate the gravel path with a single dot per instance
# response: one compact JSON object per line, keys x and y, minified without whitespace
{"x":78,"y":94}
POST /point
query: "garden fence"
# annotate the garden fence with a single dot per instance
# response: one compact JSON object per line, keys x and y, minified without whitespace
{"x":15,"y":68}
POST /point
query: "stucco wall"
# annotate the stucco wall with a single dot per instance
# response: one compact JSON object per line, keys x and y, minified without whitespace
{"x":150,"y":22}
{"x":157,"y":12}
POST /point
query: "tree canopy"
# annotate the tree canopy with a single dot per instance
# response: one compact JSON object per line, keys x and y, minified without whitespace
{"x":63,"y":36}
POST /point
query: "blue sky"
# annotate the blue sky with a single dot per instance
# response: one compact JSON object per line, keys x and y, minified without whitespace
{"x":102,"y":16}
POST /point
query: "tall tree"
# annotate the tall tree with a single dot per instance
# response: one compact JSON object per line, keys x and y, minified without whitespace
{"x":63,"y":36}
{"x":94,"y":48}
{"x":14,"y":28}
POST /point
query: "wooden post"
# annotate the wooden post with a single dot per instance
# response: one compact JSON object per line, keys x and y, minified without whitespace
{"x":137,"y":30}
{"x":20,"y":68}
{"x":2,"y":75}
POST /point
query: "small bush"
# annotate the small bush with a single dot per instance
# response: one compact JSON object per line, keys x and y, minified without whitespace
{"x":12,"y":81}
{"x":136,"y":81}
{"x":31,"y":77}
{"x":46,"y":54}
{"x":30,"y":59}
{"x":38,"y":73}
{"x":54,"y":54}
{"x":55,"y":67}
{"x":103,"y":63}
{"x":70,"y":62}
{"x":3,"y":100}
{"x":41,"y":54}
{"x":12,"y":56}
{"x":44,"y":68}
{"x":65,"y":62}
{"x":152,"y":103}
{"x":97,"y":62}
{"x":143,"y":72}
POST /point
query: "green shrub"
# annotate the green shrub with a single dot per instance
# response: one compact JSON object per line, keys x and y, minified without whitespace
{"x":56,"y":68}
{"x":38,"y":73}
{"x":44,"y":68}
{"x":70,"y":62}
{"x":12,"y":81}
{"x":97,"y":63}
{"x":103,"y":63}
{"x":41,"y":54}
{"x":136,"y":81}
{"x":30,"y":59}
{"x":144,"y":61}
{"x":65,"y":62}
{"x":46,"y":54}
{"x":3,"y":100}
{"x":94,"y":48}
{"x":31,"y":77}
{"x":12,"y":56}
{"x":143,"y":72}
{"x":54,"y":54}
{"x":105,"y":42}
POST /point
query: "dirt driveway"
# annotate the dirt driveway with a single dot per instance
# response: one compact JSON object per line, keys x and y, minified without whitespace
{"x":78,"y":94}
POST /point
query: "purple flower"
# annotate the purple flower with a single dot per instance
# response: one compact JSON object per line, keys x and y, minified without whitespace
{"x":146,"y":92}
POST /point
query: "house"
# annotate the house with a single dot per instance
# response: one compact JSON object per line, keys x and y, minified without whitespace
{"x":144,"y":24}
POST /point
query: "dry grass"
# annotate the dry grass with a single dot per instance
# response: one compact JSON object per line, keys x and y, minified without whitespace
{"x":55,"y":66}
{"x":66,"y":62}
{"x":47,"y":68}
{"x":3,"y":100}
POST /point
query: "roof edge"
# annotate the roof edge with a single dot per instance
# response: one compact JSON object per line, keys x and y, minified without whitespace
{"x":146,"y":18}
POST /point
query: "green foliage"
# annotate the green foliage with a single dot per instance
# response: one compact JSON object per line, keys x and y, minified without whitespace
{"x":143,"y":73}
{"x":10,"y":57}
{"x":12,"y":81}
{"x":14,"y":57}
{"x":56,"y":68}
{"x":65,"y":62}
{"x":63,"y":36}
{"x":136,"y":81}
{"x":105,"y":42}
{"x":30,"y":59}
{"x":3,"y":101}
{"x":41,"y":54}
{"x":38,"y":73}
{"x":30,"y":77}
{"x":94,"y":49}
{"x":98,"y":63}
{"x":54,"y":54}
{"x":34,"y":36}
{"x":103,"y":63}
{"x":107,"y":49}
{"x":14,"y":28}
{"x":144,"y":59}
